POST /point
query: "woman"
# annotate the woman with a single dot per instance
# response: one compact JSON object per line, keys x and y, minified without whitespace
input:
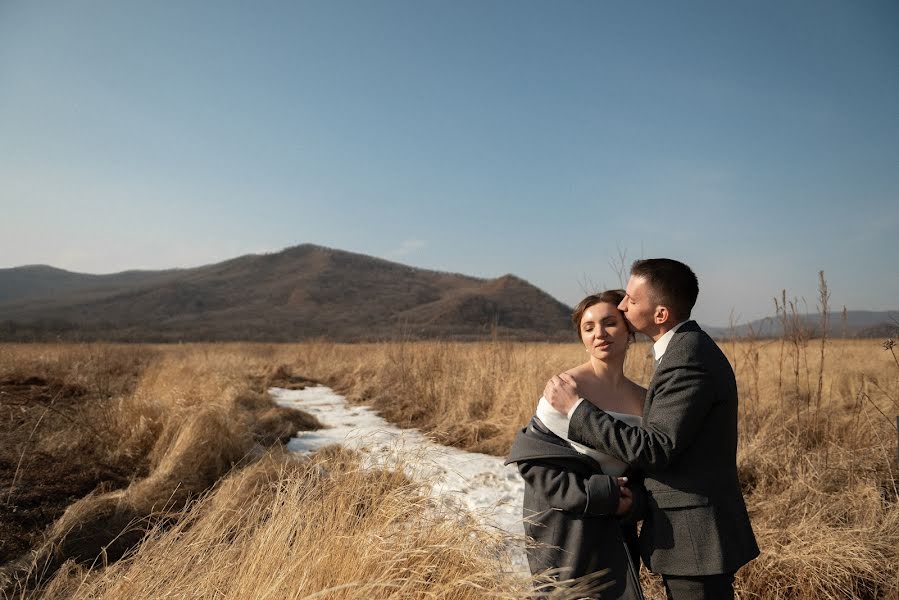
{"x":578,"y":507}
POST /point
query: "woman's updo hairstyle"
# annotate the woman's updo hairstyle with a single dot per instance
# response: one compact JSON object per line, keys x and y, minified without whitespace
{"x":613,"y":297}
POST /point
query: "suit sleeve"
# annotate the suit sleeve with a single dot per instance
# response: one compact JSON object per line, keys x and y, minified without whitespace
{"x":584,"y":495}
{"x":684,"y":393}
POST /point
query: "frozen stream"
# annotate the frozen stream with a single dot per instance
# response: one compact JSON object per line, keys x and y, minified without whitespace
{"x":478,"y":482}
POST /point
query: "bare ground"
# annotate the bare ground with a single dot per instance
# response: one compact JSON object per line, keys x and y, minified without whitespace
{"x":36,"y":486}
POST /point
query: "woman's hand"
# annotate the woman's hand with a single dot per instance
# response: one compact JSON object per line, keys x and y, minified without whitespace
{"x":626,"y":500}
{"x":561,"y":392}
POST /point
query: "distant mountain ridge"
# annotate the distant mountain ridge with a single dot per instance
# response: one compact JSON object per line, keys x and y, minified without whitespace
{"x":308,"y":291}
{"x":302,"y":292}
{"x":34,"y":281}
{"x":857,"y":324}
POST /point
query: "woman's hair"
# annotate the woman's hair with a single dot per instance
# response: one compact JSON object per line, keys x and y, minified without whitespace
{"x":613,"y":297}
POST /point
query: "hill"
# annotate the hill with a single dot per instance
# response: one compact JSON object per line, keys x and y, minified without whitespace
{"x":856,"y":324}
{"x":302,"y":292}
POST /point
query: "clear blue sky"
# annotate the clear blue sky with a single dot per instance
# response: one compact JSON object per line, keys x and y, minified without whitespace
{"x":756,"y":141}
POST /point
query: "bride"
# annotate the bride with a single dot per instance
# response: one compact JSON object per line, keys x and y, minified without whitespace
{"x":581,"y":506}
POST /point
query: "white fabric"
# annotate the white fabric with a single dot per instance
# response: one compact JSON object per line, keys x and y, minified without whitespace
{"x":558,"y":424}
{"x":553,"y":419}
{"x":572,"y":409}
{"x":658,"y":349}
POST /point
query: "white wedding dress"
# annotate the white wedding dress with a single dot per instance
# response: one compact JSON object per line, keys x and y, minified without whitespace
{"x":558,"y":424}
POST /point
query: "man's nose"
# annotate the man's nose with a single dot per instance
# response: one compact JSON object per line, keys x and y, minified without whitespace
{"x":622,"y":306}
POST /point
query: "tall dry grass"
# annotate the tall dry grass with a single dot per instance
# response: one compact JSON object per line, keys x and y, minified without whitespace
{"x":817,"y":453}
{"x":317,"y":528}
{"x":470,"y":395}
{"x":817,"y":460}
{"x":172,"y":420}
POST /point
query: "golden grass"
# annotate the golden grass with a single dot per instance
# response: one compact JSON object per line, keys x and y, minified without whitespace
{"x":473,"y":396}
{"x":176,"y":419}
{"x":819,"y":475}
{"x":319,"y":528}
{"x":818,"y":469}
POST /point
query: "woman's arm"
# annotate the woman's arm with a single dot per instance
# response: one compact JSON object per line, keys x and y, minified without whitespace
{"x":586,"y":495}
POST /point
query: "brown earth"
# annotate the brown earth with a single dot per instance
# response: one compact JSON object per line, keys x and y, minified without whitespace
{"x":72,"y":487}
{"x":36,"y":486}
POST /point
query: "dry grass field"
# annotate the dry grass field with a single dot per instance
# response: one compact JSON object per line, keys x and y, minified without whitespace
{"x":178,"y":446}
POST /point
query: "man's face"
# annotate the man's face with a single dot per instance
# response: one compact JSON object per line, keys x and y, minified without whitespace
{"x":638,"y":306}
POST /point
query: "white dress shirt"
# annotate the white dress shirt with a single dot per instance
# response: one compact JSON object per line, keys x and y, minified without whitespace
{"x":658,"y":349}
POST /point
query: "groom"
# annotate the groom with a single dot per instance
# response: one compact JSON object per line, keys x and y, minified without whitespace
{"x":697,"y":531}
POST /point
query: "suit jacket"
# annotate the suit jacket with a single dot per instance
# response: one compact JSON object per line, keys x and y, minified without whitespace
{"x":569,"y":511}
{"x":696,"y":522}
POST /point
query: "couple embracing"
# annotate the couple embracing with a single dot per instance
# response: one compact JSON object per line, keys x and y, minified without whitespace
{"x":602,"y":453}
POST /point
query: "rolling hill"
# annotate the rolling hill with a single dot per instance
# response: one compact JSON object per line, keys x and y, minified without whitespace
{"x":307,"y":292}
{"x":302,"y":292}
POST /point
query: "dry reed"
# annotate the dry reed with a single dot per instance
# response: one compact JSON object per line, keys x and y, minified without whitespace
{"x":176,"y":419}
{"x":317,"y":528}
{"x":819,"y":477}
{"x":817,"y":460}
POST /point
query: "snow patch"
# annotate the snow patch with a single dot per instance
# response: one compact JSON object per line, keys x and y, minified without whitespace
{"x":478,"y":482}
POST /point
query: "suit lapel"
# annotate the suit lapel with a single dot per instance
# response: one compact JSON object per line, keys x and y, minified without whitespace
{"x":686,"y":327}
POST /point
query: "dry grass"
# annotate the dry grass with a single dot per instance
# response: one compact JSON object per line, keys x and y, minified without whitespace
{"x":817,"y":459}
{"x":473,"y":396}
{"x":818,"y":468}
{"x":170,"y":423}
{"x":318,"y":528}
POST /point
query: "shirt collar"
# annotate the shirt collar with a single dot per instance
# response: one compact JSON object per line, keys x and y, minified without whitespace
{"x":658,"y":348}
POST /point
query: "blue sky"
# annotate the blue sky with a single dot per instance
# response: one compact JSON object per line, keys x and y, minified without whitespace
{"x":756,"y":141}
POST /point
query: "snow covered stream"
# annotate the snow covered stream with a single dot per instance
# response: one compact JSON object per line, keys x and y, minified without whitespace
{"x":478,"y":482}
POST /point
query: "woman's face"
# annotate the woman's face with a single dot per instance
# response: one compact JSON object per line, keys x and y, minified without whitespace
{"x":604,"y":331}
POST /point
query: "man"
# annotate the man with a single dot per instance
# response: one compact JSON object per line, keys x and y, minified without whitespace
{"x":697,"y":531}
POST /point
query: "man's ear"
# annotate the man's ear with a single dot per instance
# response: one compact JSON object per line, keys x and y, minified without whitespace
{"x":661,"y":315}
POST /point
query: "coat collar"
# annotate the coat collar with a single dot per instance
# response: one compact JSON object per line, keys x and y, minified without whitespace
{"x":531,"y":444}
{"x":659,"y":347}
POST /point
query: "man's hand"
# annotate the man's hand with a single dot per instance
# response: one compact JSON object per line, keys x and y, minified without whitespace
{"x":626,"y":501}
{"x":561,"y":392}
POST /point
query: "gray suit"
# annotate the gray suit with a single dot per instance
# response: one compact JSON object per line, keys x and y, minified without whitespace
{"x":696,"y":521}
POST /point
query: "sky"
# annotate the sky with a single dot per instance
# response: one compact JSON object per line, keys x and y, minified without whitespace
{"x":756,"y":141}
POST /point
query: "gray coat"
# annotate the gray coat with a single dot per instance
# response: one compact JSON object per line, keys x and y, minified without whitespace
{"x":569,"y":511}
{"x":696,"y":522}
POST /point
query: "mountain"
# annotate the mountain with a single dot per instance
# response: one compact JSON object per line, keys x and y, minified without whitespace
{"x":36,"y":281}
{"x":857,"y":324}
{"x":302,"y":292}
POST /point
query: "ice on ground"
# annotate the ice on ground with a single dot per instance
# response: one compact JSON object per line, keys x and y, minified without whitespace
{"x":478,"y":482}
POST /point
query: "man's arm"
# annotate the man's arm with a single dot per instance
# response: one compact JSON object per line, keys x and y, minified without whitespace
{"x":684,"y":394}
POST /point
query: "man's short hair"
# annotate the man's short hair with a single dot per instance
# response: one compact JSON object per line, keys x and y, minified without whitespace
{"x":673,"y":284}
